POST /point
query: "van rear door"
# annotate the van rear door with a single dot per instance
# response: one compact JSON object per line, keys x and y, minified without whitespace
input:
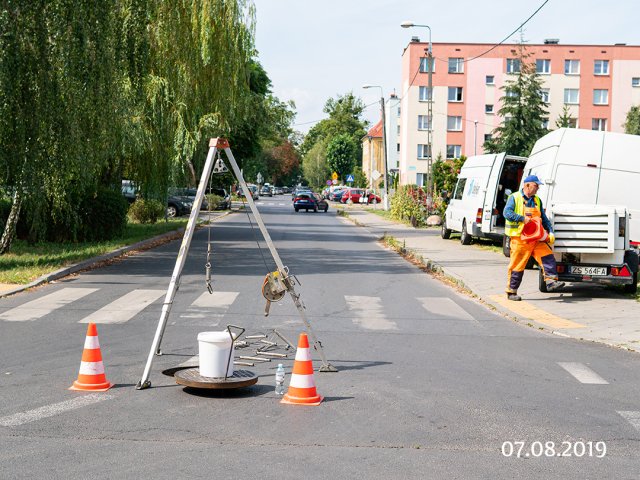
{"x":490,"y":193}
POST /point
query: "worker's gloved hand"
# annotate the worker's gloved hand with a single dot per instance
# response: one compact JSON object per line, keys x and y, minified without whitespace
{"x":552,"y":238}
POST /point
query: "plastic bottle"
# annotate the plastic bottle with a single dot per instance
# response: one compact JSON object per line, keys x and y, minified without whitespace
{"x":280,"y":380}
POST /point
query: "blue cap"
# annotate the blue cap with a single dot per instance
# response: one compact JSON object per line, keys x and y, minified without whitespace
{"x":533,"y":179}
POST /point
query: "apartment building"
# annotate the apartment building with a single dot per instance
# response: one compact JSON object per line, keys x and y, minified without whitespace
{"x":598,"y":84}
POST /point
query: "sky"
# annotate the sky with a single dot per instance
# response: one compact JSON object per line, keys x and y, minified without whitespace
{"x":315,"y":50}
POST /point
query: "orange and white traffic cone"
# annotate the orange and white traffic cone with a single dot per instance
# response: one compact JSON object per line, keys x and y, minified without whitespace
{"x":91,"y":376}
{"x":302,"y":387}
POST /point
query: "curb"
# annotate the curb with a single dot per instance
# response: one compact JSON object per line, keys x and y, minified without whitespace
{"x":85,"y":264}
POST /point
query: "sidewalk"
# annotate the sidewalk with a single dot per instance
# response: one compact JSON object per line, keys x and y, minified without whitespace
{"x":581,"y":311}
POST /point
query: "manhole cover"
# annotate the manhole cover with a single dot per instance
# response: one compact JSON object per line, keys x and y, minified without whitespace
{"x":190,"y":377}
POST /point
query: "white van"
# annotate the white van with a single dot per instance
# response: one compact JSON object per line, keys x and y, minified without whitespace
{"x":484,"y":184}
{"x":589,"y":194}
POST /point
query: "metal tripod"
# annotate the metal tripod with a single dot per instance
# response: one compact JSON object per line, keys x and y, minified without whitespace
{"x":216,"y":144}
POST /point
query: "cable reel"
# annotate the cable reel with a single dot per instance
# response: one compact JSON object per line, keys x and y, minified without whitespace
{"x":273,"y":289}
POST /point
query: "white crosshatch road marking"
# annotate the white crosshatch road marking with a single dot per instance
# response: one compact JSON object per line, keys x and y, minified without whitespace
{"x":582,"y":373}
{"x":368,"y":313}
{"x":124,"y":308}
{"x":42,"y":306}
{"x":211,"y":306}
{"x":53,"y":409}
{"x":445,"y":307}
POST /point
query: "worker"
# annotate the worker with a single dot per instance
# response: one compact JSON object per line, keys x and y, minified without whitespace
{"x":521,"y":208}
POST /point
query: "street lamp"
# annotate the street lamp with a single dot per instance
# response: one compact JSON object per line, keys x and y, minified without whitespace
{"x":385,"y":200}
{"x":409,"y":24}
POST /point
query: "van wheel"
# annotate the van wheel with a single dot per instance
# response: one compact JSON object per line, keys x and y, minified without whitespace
{"x":542,"y":285}
{"x":445,"y":232}
{"x":506,"y":246}
{"x":465,"y":238}
{"x":633,"y":287}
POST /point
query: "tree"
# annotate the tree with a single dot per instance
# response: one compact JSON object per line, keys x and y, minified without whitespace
{"x":342,"y":154}
{"x":360,"y":180}
{"x":632,"y":125}
{"x":565,"y":118}
{"x":523,"y":112}
{"x":314,"y":166}
{"x":445,"y":174}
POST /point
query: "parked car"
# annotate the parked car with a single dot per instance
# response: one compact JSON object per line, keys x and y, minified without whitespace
{"x":189,"y":193}
{"x":279,"y":190}
{"x":310,"y":201}
{"x":266,"y":191}
{"x":177,"y":205}
{"x":336,"y":195}
{"x":225,"y":204}
{"x":252,"y":188}
{"x":355,"y":194}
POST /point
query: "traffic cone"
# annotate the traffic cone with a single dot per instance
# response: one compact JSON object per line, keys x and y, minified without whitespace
{"x":91,"y":376}
{"x":302,"y":388}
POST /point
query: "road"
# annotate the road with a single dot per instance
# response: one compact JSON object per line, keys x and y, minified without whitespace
{"x":431,"y":384}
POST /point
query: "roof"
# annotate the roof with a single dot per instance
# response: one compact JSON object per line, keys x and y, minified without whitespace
{"x":376,"y":130}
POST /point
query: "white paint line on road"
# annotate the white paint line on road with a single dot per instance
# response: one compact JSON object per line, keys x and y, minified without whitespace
{"x":53,"y":409}
{"x":210,"y":306}
{"x":192,"y":362}
{"x":42,"y":306}
{"x":368,"y":313}
{"x":124,"y":308}
{"x":582,"y":373}
{"x":633,"y":418}
{"x":445,"y":307}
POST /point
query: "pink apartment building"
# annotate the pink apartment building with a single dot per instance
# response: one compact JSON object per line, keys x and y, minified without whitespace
{"x":598,"y":83}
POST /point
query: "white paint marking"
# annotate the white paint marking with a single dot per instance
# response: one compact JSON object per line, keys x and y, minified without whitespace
{"x":582,"y":373}
{"x":368,"y":313}
{"x":445,"y":307}
{"x":633,"y":418}
{"x":53,"y":409}
{"x":42,"y":306}
{"x":210,"y":307}
{"x":124,"y":308}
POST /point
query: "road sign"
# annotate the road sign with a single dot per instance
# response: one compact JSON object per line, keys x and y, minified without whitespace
{"x":334,"y":176}
{"x":349,"y":178}
{"x":328,"y":182}
{"x":335,"y":182}
{"x":376,"y":175}
{"x":259,"y":178}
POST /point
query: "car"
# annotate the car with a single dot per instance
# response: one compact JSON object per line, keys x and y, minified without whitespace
{"x":358,"y":195}
{"x":336,"y":195}
{"x":177,"y":205}
{"x":189,"y":193}
{"x":252,"y":188}
{"x":310,"y":201}
{"x":225,"y":204}
{"x":266,"y":191}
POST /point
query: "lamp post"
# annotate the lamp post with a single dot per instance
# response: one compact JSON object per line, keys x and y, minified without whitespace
{"x":385,"y":199}
{"x":408,"y":24}
{"x":475,"y":137}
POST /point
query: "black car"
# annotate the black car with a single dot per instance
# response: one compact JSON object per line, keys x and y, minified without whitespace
{"x":309,"y":201}
{"x":177,"y":205}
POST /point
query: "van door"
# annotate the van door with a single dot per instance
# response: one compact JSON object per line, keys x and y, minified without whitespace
{"x":456,"y":205}
{"x":488,"y":203}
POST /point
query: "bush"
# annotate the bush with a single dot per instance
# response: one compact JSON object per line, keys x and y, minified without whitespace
{"x":5,"y":208}
{"x":146,"y":211}
{"x":408,"y":203}
{"x":105,"y":216}
{"x":214,"y":201}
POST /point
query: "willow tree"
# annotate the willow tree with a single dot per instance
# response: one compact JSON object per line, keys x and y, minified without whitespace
{"x":59,"y":96}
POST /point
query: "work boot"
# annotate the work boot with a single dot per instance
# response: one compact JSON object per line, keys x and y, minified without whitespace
{"x":513,"y":296}
{"x":554,"y":286}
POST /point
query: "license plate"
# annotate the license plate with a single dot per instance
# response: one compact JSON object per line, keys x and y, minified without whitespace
{"x":594,"y":271}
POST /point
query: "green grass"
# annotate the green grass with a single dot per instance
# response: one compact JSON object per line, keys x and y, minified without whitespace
{"x":24,"y":263}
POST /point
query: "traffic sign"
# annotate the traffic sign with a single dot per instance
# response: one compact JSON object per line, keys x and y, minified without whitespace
{"x":349,"y":178}
{"x":334,"y":176}
{"x":328,"y":182}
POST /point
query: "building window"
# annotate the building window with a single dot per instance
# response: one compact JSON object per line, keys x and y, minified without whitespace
{"x":635,"y":82}
{"x":490,"y":80}
{"x":571,"y":96}
{"x":398,"y":111}
{"x":488,"y":108}
{"x":424,"y":94}
{"x":545,"y":123}
{"x":601,"y":67}
{"x":509,"y":93}
{"x":454,"y":124}
{"x":420,"y":179}
{"x":456,"y":65}
{"x":397,"y":147}
{"x":424,"y":151}
{"x":398,"y":130}
{"x":424,"y":122}
{"x":544,"y":95}
{"x":573,"y":123}
{"x":543,"y":66}
{"x":454,"y":151}
{"x":455,"y":94}
{"x":599,"y":124}
{"x":487,"y":137}
{"x":600,"y":97}
{"x":424,"y":62}
{"x":572,"y":67}
{"x":513,"y":65}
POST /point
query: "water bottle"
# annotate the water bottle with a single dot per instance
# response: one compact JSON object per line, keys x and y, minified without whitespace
{"x":280,"y":380}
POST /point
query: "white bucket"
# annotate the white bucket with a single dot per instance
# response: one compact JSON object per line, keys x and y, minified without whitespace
{"x":214,"y":349}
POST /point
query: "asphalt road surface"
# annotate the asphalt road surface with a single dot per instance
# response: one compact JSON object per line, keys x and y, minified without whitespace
{"x":431,"y":384}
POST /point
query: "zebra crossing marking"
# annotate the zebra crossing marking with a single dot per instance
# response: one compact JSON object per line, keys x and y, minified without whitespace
{"x":124,"y":308}
{"x":445,"y":307}
{"x":582,"y":373}
{"x":368,"y":313}
{"x":38,"y":308}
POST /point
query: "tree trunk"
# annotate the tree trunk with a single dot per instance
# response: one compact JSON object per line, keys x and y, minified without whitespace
{"x":192,"y":171}
{"x":10,"y":227}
